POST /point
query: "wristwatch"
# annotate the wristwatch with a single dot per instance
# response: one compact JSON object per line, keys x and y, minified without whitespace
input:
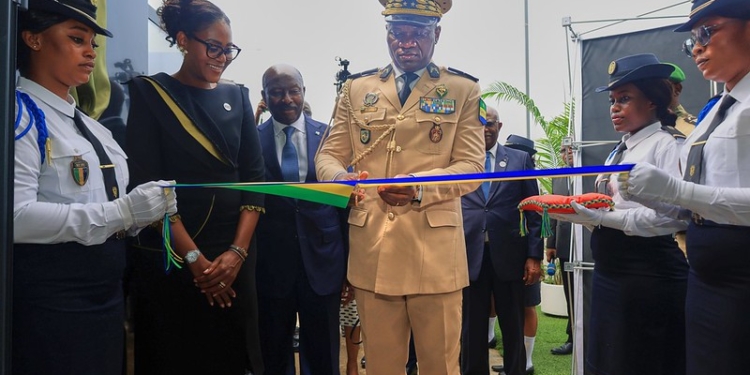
{"x":192,"y":256}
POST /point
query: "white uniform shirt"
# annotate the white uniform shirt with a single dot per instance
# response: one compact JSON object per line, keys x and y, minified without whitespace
{"x":659,"y":148}
{"x":726,"y":154}
{"x":299,"y":140}
{"x":49,"y":206}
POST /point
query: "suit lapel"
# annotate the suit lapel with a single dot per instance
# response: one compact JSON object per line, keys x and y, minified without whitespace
{"x":268,"y":145}
{"x":314,"y":135}
{"x":501,"y":164}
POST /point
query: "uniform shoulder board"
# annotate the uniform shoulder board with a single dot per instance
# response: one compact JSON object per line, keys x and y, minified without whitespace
{"x":363,"y":74}
{"x":462,"y":74}
{"x":673,"y":131}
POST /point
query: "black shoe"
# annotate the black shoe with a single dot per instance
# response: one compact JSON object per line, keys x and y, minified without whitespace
{"x":412,"y":370}
{"x":563,"y":349}
{"x":501,"y":370}
{"x":493,"y":343}
{"x":362,"y":362}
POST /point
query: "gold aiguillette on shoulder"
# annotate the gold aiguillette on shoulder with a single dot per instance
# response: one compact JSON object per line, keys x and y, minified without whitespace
{"x":79,"y":169}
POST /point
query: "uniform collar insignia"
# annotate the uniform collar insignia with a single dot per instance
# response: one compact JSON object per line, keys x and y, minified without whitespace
{"x":433,"y":70}
{"x":386,"y":72}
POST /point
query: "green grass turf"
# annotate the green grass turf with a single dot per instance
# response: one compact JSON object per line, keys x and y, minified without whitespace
{"x":550,"y":334}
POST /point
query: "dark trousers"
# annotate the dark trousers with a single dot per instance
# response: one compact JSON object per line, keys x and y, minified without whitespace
{"x":509,"y":306}
{"x":318,"y":332}
{"x":568,"y":285}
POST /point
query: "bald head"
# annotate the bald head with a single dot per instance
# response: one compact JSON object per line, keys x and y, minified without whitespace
{"x":284,"y":93}
{"x":282,"y":69}
{"x":492,"y":128}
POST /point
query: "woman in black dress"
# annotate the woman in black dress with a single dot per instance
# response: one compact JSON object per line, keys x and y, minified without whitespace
{"x":637,"y":321}
{"x":69,"y":215}
{"x":194,"y":128}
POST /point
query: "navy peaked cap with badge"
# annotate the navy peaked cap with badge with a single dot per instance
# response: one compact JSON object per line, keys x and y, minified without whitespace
{"x":724,"y":8}
{"x":633,"y":68}
{"x":520,"y":143}
{"x":415,"y":12}
{"x":80,"y":10}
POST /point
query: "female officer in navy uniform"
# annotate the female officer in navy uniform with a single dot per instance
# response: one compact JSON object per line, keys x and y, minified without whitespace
{"x":715,"y":192}
{"x":68,"y":214}
{"x":639,"y":284}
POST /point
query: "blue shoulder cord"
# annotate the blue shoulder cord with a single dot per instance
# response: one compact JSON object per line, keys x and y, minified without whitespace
{"x":36,"y":117}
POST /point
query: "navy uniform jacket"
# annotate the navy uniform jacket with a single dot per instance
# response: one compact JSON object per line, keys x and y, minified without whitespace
{"x":500,"y":218}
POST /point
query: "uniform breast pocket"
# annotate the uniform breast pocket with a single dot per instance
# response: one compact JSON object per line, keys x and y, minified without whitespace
{"x":120,"y":160}
{"x":370,"y":115}
{"x":438,"y":131}
{"x":76,"y":169}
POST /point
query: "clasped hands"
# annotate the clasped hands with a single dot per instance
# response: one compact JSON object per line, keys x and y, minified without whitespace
{"x":394,"y":195}
{"x":215,"y":279}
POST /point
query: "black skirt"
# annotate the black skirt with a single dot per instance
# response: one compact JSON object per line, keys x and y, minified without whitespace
{"x":718,"y":299}
{"x":68,"y":309}
{"x":637,"y":321}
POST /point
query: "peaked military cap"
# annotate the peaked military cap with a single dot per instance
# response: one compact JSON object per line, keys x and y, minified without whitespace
{"x":415,"y":12}
{"x":80,"y":10}
{"x":724,"y":8}
{"x":635,"y":67}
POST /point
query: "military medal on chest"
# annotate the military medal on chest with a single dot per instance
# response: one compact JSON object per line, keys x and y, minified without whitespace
{"x":436,"y":133}
{"x":79,"y":168}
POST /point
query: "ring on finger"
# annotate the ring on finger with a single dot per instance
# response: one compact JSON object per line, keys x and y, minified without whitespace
{"x":222,"y":285}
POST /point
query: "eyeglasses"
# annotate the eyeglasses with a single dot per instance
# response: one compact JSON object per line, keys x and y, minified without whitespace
{"x":701,"y":35}
{"x":215,"y":51}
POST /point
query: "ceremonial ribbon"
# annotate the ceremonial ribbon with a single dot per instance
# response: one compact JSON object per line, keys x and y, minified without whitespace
{"x":337,"y":193}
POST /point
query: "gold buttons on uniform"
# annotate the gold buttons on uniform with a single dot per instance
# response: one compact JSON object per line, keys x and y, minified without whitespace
{"x":437,"y":119}
{"x":398,"y":148}
{"x":391,"y":216}
{"x":400,"y":117}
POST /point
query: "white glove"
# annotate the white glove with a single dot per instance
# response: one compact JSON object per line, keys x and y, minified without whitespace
{"x":146,"y":204}
{"x":592,"y":218}
{"x":646,"y":183}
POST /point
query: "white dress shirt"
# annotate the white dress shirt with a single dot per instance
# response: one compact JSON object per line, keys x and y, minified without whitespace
{"x":659,"y":148}
{"x":48,"y":205}
{"x":299,"y":139}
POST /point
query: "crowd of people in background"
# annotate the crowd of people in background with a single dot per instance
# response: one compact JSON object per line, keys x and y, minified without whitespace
{"x":414,"y":271}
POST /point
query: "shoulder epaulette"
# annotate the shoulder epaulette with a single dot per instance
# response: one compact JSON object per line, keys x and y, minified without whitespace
{"x":462,"y":74}
{"x":673,"y":131}
{"x":363,"y":74}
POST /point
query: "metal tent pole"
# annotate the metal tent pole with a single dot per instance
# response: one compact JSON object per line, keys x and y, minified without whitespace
{"x":8,"y":17}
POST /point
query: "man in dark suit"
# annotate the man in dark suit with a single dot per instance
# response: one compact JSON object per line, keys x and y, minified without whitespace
{"x":501,"y":260}
{"x":301,"y":245}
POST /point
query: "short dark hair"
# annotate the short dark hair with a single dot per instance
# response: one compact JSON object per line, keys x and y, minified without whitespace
{"x":188,"y":16}
{"x":34,"y":21}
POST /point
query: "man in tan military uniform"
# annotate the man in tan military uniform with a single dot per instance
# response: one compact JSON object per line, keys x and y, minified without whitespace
{"x":407,"y":259}
{"x":685,"y":124}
